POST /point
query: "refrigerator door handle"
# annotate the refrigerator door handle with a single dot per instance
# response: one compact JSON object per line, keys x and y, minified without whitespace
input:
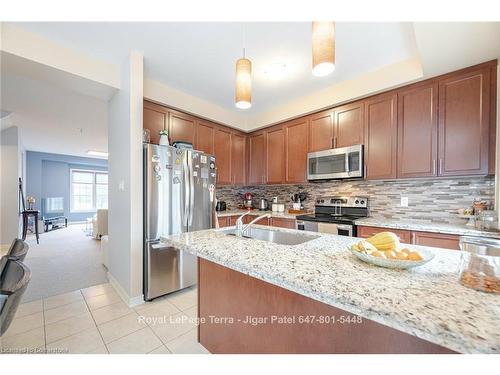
{"x":191,"y":189}
{"x":186,"y":189}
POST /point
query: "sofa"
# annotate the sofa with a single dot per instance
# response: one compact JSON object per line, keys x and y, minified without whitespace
{"x":100,"y":223}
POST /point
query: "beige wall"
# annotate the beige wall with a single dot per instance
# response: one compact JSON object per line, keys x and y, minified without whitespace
{"x":10,"y":171}
{"x":125,"y":182}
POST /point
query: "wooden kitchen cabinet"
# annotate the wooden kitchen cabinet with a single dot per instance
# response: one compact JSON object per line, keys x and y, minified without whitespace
{"x":417,"y":130}
{"x":257,"y":158}
{"x":263,"y":221}
{"x":464,"y":118}
{"x":238,"y":158}
{"x":155,"y":119}
{"x":205,"y":136}
{"x":182,"y":127}
{"x":275,"y":157}
{"x":321,"y":131}
{"x":223,"y":221}
{"x":222,"y":152}
{"x":381,"y":137}
{"x":282,"y":222}
{"x":445,"y":241}
{"x":348,"y":125}
{"x":296,"y":146}
{"x":366,"y":231}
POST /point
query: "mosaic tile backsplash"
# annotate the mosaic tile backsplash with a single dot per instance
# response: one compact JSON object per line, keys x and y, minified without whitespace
{"x":430,"y":200}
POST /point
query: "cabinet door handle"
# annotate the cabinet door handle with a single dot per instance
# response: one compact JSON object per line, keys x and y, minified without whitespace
{"x":440,"y":166}
{"x":434,"y":166}
{"x":413,"y":238}
{"x":334,"y":142}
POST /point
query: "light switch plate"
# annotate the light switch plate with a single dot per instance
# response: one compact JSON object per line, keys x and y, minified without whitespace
{"x":404,"y":201}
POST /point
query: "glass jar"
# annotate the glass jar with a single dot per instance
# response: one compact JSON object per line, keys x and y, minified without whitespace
{"x":488,"y":220}
{"x":480,"y":264}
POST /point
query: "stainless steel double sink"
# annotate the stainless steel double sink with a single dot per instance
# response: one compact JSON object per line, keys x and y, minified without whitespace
{"x":279,"y":237}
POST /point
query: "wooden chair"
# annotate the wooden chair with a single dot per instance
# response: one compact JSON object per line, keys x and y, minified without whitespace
{"x":15,"y":280}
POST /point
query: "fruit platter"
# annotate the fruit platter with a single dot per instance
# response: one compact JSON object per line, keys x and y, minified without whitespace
{"x":384,"y":250}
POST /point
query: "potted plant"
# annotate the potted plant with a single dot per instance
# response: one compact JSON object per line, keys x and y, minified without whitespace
{"x":164,"y":137}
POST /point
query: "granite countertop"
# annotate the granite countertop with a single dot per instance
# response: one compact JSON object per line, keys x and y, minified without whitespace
{"x":427,"y":227}
{"x":427,"y":301}
{"x":236,"y":212}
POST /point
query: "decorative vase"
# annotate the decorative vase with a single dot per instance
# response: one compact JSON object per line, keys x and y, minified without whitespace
{"x":164,"y":140}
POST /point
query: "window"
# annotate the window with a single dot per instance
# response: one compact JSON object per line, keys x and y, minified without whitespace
{"x":89,"y":190}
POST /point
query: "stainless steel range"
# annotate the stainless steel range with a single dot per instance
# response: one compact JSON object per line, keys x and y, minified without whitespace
{"x":335,"y":215}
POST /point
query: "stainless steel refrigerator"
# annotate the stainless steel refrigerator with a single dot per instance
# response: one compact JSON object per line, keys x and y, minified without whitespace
{"x":179,"y":194}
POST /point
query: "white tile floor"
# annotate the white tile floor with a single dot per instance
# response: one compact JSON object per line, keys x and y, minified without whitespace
{"x":96,"y":320}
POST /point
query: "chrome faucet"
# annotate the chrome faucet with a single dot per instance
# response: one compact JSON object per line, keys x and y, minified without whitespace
{"x":240,"y":229}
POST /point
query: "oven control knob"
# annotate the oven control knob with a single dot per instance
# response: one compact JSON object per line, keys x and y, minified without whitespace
{"x":356,"y":201}
{"x":362,"y":202}
{"x":322,"y":201}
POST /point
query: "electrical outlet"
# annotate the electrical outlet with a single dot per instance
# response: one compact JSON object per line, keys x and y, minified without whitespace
{"x":404,"y":201}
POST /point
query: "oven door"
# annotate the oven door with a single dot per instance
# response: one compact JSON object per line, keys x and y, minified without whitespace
{"x":344,"y":162}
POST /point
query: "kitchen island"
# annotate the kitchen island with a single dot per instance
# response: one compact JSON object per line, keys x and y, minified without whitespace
{"x":343,"y":304}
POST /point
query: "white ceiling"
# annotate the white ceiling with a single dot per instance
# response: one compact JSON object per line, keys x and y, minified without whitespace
{"x":53,"y":119}
{"x":199,"y":58}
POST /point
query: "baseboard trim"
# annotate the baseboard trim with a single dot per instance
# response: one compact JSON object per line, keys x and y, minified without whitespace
{"x":130,"y":301}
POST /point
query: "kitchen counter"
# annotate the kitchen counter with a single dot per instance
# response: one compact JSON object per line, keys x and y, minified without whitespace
{"x":237,"y":212}
{"x":427,"y":302}
{"x":457,"y":229}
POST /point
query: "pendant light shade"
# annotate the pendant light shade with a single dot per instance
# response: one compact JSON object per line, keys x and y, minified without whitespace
{"x":323,"y":48}
{"x":243,"y":96}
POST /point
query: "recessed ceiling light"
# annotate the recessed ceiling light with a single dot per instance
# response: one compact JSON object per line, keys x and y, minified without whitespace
{"x":100,"y":154}
{"x":276,"y":71}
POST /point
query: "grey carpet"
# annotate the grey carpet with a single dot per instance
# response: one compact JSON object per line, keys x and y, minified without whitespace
{"x":65,"y":260}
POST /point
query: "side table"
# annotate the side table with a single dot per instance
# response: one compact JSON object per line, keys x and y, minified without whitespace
{"x":26,"y":215}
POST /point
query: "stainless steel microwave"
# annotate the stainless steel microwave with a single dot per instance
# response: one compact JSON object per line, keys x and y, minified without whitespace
{"x":343,"y":162}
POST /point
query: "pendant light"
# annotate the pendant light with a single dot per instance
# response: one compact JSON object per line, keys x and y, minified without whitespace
{"x":243,"y":95}
{"x":323,"y":48}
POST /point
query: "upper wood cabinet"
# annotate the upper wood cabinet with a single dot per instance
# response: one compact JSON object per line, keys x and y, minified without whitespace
{"x":155,"y":119}
{"x":296,"y":147}
{"x":182,"y":127}
{"x":238,"y":157}
{"x":275,"y":158}
{"x":380,"y":136}
{"x":222,"y":152}
{"x":257,"y":158}
{"x":493,"y":120}
{"x":321,"y":131}
{"x":417,"y":130}
{"x":464,"y":117}
{"x":205,"y":136}
{"x":348,"y":125}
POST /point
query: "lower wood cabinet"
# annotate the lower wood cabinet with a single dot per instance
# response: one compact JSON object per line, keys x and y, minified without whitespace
{"x":365,"y":232}
{"x":263,"y":221}
{"x":227,"y":221}
{"x":282,"y":222}
{"x":445,"y":241}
